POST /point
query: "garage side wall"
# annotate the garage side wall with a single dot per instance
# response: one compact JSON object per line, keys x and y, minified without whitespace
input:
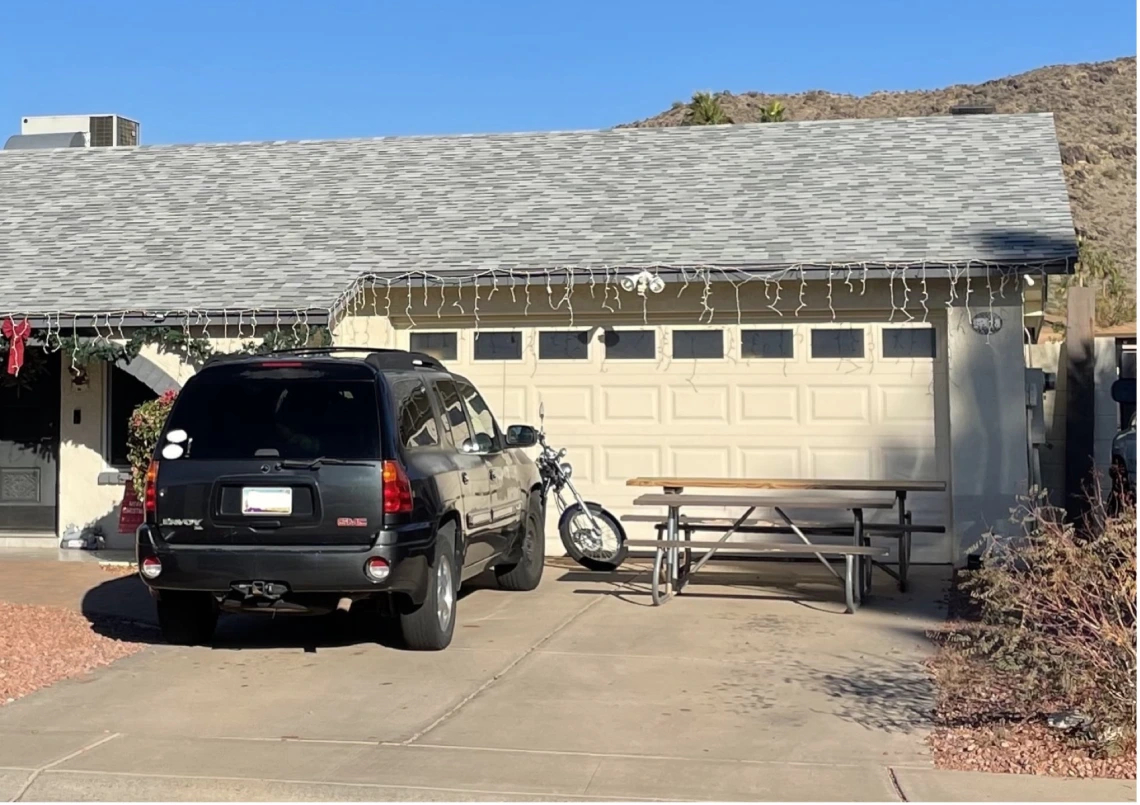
{"x":989,"y":458}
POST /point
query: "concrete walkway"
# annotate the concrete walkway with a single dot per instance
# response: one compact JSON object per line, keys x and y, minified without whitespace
{"x":580,"y":690}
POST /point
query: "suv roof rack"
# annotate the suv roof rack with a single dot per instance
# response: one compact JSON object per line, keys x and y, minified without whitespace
{"x":378,"y":357}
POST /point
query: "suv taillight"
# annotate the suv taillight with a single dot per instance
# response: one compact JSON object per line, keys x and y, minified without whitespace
{"x":397,"y":489}
{"x":150,"y":494}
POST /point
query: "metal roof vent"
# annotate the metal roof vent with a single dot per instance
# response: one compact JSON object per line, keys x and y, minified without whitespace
{"x":20,"y":142}
{"x":972,"y":109}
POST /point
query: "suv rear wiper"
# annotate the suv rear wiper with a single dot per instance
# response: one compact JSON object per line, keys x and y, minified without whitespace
{"x":312,"y":464}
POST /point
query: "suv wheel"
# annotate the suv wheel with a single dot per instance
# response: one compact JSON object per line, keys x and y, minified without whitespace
{"x":526,"y":575}
{"x":185,"y":618}
{"x":429,"y":626}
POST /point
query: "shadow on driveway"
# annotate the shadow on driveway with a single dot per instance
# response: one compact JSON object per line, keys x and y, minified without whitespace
{"x":123,"y":609}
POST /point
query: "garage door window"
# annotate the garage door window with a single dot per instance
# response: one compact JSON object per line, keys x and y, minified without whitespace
{"x":909,"y":342}
{"x":498,"y":346}
{"x":689,"y":344}
{"x":628,"y":345}
{"x":561,"y":346}
{"x":835,"y":343}
{"x":441,"y":346}
{"x":767,"y":344}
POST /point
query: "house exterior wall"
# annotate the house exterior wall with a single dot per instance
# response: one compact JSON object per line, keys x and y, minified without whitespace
{"x":978,"y":397}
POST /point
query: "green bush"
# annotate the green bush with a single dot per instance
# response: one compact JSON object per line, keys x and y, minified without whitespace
{"x":142,"y":437}
{"x":1058,"y":610}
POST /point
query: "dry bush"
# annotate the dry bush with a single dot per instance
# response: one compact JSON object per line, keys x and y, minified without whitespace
{"x":1058,"y":611}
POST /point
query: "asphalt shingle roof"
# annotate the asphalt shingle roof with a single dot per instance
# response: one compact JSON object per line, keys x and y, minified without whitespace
{"x":286,"y":225}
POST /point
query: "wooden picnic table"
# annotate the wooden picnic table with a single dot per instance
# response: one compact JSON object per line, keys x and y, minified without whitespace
{"x":900,"y":488}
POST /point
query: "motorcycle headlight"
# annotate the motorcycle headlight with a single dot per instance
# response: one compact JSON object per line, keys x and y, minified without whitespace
{"x":567,"y":470}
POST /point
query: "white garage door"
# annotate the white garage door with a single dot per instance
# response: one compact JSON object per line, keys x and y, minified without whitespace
{"x":810,"y":400}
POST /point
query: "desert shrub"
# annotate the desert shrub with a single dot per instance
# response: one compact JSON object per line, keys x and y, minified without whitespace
{"x":142,"y":436}
{"x":1058,"y":610}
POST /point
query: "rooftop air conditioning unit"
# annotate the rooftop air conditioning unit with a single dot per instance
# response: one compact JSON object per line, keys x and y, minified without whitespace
{"x":100,"y":131}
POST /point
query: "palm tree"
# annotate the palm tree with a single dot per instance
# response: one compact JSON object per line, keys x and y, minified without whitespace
{"x":772,"y":113}
{"x":705,"y":110}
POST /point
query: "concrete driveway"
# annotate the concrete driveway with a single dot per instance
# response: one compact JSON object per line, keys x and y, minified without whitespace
{"x":578,"y":690}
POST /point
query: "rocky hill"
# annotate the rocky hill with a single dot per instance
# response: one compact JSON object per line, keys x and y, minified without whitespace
{"x":1095,"y":110}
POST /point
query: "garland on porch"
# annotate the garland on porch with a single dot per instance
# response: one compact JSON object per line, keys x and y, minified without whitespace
{"x":82,"y":351}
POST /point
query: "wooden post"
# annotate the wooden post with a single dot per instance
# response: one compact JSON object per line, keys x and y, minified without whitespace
{"x":1080,"y":408}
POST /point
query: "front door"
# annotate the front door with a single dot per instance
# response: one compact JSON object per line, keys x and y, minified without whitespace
{"x":29,"y":444}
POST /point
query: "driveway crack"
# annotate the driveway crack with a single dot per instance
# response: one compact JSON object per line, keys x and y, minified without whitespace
{"x":530,"y":650}
{"x":36,"y":774}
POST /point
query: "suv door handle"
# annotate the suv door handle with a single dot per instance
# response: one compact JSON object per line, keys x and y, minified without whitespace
{"x":463,"y":476}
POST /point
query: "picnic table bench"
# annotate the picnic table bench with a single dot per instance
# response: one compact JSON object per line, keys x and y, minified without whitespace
{"x":902,"y":530}
{"x":671,"y":573}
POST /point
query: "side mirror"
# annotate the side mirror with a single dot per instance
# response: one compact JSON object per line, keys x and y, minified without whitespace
{"x":521,"y":436}
{"x":1124,"y":391}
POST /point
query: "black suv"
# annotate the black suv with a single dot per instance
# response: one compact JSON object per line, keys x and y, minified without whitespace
{"x":335,"y":478}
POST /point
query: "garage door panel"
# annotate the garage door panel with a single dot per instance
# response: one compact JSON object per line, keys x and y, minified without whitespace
{"x":767,"y":405}
{"x":621,"y":463}
{"x":636,"y":405}
{"x":699,"y":404}
{"x":906,"y":404}
{"x":832,"y":405}
{"x":904,"y":463}
{"x":515,"y":408}
{"x":568,"y":405}
{"x":770,"y":462}
{"x":710,"y":462}
{"x":837,"y":462}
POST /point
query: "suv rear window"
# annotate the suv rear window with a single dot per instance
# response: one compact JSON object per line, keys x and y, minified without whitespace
{"x":279,"y":413}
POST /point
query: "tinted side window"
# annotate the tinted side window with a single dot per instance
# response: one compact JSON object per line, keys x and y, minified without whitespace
{"x":482,"y":420}
{"x":454,"y":417}
{"x":415,"y":417}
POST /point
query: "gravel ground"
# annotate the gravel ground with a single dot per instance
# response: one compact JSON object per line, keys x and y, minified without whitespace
{"x":978,"y":727}
{"x":42,"y":645}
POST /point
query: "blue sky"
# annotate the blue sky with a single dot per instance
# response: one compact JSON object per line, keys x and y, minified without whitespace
{"x":209,"y":70}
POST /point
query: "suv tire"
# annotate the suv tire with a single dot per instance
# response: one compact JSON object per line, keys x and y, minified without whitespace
{"x":430,"y":625}
{"x":527,"y":573}
{"x":185,"y":618}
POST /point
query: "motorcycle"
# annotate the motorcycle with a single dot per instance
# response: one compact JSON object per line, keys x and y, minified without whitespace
{"x":592,"y":536}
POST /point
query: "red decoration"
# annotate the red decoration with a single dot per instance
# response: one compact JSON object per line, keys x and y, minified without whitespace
{"x":131,"y":511}
{"x":17,"y":334}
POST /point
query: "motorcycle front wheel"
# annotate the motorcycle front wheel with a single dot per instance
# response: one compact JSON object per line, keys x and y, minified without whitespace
{"x":593,"y":552}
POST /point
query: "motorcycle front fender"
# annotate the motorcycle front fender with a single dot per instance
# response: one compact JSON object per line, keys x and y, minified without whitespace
{"x":573,"y":508}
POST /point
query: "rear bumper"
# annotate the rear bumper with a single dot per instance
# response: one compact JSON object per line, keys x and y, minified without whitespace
{"x":304,"y":569}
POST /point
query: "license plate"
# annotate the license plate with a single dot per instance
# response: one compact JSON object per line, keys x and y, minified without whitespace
{"x":266,"y":500}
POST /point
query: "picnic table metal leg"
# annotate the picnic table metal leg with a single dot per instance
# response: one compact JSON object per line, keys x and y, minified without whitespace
{"x":805,"y":540}
{"x":904,"y":557}
{"x":904,"y":540}
{"x":850,"y":585}
{"x":864,"y":562}
{"x":727,"y":534}
{"x":659,"y":585}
